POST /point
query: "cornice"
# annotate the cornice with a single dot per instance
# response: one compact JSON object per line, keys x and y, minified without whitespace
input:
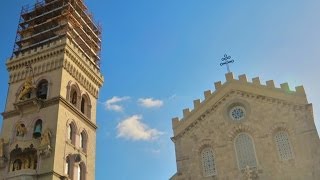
{"x":42,"y":53}
{"x":54,"y":101}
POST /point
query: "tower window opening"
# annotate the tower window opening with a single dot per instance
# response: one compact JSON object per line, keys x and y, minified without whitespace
{"x":81,"y":171}
{"x":83,"y":141}
{"x":67,"y":167}
{"x":74,"y":97}
{"x":37,"y":130}
{"x":42,"y":89}
{"x":71,"y":133}
{"x":83,"y":104}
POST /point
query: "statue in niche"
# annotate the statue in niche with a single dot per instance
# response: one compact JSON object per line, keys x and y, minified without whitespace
{"x":21,"y":130}
{"x":26,"y":89}
{"x":45,"y":138}
{"x":26,"y":164}
{"x":17,"y":165}
{"x":45,"y":143}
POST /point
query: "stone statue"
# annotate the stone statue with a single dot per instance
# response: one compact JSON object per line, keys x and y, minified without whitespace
{"x":26,"y":164}
{"x":45,"y":139}
{"x":26,"y":89}
{"x":45,"y":144}
{"x":16,"y":165}
{"x":21,"y":130}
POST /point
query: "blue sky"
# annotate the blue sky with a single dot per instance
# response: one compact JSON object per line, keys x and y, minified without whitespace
{"x":158,"y":56}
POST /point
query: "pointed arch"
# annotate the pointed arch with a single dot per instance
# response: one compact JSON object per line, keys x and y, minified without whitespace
{"x":86,"y":105}
{"x":68,"y":166}
{"x":42,"y":88}
{"x":83,"y":141}
{"x":82,"y":171}
{"x":73,"y":93}
{"x":71,"y":132}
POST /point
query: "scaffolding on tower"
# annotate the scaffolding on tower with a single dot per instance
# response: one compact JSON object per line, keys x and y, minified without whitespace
{"x":50,"y":20}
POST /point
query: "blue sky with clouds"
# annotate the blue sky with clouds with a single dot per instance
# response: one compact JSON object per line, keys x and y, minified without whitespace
{"x":158,"y":56}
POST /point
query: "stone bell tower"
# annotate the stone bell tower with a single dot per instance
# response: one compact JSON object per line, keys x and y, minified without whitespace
{"x":49,"y":121}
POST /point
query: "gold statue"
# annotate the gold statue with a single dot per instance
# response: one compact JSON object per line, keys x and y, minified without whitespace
{"x":21,"y":130}
{"x":26,"y":89}
{"x":45,"y":139}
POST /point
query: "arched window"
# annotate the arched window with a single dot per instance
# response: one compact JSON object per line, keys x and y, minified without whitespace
{"x":37,"y":130}
{"x":245,"y":151}
{"x":74,"y":97}
{"x":83,"y":141}
{"x":208,"y":162}
{"x":283,"y":145}
{"x":83,"y":105}
{"x":71,"y":132}
{"x":42,"y":89}
{"x":81,"y":171}
{"x":67,"y":168}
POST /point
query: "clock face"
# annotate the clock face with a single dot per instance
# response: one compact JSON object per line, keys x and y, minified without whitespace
{"x":237,"y":113}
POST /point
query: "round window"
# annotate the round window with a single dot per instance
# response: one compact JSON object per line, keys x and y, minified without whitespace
{"x":237,"y":113}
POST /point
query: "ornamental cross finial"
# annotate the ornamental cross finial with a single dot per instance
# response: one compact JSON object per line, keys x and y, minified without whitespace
{"x":225,"y":61}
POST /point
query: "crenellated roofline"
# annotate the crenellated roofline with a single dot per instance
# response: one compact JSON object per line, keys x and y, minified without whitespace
{"x":241,"y":86}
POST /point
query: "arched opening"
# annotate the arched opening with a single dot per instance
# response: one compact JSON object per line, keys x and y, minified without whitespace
{"x":37,"y":130}
{"x":42,"y":89}
{"x":67,"y":168}
{"x":74,"y":97}
{"x":283,"y":145}
{"x":71,"y":133}
{"x":245,"y":151}
{"x":83,"y":104}
{"x":83,"y":141}
{"x":81,"y":171}
{"x":208,"y":162}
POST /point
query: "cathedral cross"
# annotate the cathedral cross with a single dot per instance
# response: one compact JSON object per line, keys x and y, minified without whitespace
{"x":225,"y":61}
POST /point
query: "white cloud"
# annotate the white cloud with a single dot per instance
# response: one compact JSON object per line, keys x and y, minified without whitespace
{"x":112,"y":104}
{"x":133,"y":129}
{"x":150,"y":102}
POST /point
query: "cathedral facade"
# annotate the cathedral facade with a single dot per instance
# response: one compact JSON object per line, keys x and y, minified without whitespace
{"x":246,"y":130}
{"x":49,"y":123}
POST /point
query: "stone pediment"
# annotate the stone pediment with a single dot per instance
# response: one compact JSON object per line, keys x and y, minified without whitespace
{"x":241,"y":87}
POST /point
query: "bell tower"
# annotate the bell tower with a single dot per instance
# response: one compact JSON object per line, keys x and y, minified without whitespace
{"x":49,"y":122}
